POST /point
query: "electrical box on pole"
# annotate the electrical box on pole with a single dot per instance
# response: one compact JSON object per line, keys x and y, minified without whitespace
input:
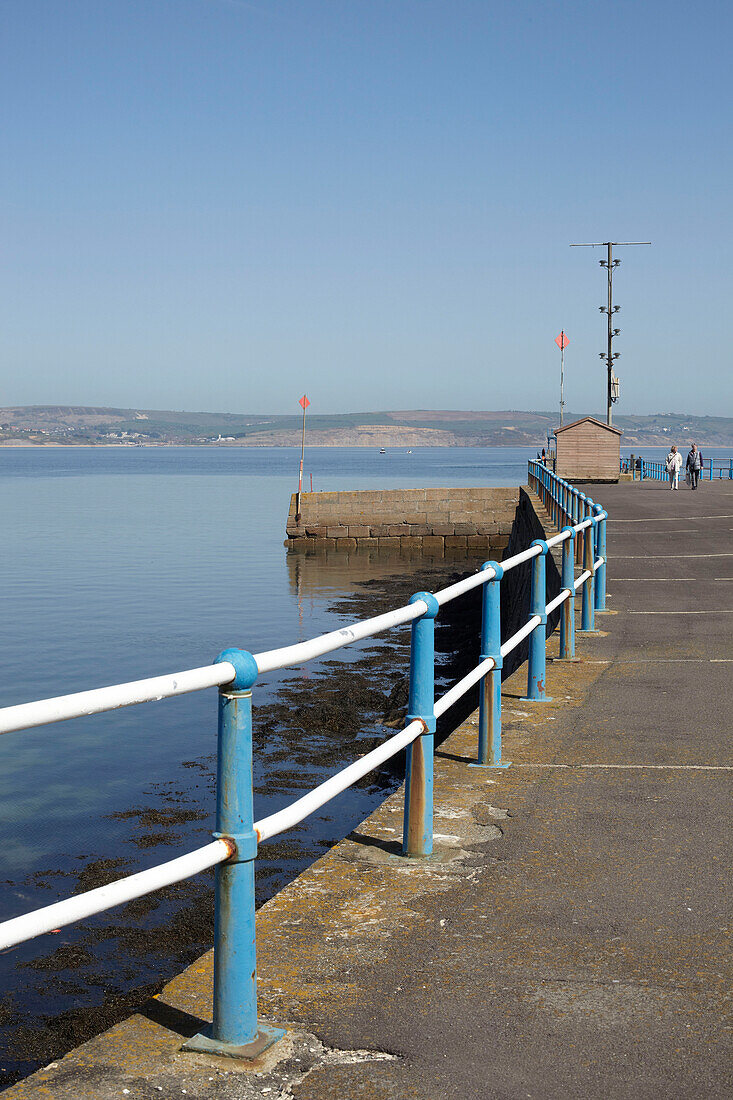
{"x":615,"y":388}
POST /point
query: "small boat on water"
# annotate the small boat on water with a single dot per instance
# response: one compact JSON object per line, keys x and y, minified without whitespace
{"x":382,"y":451}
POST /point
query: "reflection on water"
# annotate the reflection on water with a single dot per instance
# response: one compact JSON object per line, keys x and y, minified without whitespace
{"x":316,"y":576}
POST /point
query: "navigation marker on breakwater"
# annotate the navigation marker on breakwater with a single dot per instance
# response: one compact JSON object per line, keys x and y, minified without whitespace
{"x":562,"y":342}
{"x":304,"y":403}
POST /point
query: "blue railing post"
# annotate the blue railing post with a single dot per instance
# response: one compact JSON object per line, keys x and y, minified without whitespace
{"x":600,"y":583}
{"x":536,"y":669}
{"x":567,"y":621}
{"x":587,"y":611}
{"x":235,"y":1031}
{"x":489,"y":715}
{"x":579,"y":517}
{"x":417,"y":832}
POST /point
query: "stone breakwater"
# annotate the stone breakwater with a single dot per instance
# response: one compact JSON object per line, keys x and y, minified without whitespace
{"x":426,"y":521}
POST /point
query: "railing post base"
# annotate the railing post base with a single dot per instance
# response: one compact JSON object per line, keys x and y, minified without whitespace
{"x":202,"y":1043}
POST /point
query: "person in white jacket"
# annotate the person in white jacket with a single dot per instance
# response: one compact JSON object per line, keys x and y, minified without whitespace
{"x":674,"y":465}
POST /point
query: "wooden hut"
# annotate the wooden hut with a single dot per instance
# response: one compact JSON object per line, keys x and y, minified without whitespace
{"x":588,"y":450}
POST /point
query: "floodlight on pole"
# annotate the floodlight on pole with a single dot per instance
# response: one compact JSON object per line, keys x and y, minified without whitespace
{"x":612,"y":390}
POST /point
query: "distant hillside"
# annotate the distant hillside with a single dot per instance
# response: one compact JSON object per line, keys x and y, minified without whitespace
{"x":70,"y":424}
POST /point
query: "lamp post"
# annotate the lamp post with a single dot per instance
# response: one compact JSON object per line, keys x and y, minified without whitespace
{"x":612,"y":389}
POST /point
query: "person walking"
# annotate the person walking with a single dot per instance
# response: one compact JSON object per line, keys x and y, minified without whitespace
{"x":693,"y":465}
{"x":674,"y":465}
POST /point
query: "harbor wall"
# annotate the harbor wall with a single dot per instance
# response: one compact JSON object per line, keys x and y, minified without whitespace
{"x":425,"y":521}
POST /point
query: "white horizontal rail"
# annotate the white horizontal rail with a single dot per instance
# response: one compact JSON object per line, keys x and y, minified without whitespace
{"x":518,"y":638}
{"x":445,"y":595}
{"x":315,"y":647}
{"x":302,"y":807}
{"x":82,"y":703}
{"x":517,"y":559}
{"x":460,"y":688}
{"x":553,"y":604}
{"x":557,"y":539}
{"x":582,"y":578}
{"x":61,"y":913}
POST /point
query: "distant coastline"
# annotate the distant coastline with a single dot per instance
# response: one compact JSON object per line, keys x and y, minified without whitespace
{"x":252,"y":445}
{"x":74,"y":425}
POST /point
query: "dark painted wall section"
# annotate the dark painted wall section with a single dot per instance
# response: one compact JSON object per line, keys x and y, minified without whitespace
{"x":516,"y":587}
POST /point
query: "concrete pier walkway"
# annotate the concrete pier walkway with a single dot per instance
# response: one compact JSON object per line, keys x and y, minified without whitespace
{"x":571,"y":936}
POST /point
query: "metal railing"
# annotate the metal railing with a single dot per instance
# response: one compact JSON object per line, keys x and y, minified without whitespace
{"x":235,"y":1028}
{"x":656,"y":469}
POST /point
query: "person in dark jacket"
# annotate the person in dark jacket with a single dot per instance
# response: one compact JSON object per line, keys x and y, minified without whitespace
{"x":693,"y":465}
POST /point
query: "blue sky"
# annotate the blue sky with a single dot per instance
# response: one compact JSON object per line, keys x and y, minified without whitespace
{"x":219,"y":204}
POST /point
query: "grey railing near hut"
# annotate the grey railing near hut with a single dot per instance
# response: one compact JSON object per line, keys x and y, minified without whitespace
{"x":235,"y":1029}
